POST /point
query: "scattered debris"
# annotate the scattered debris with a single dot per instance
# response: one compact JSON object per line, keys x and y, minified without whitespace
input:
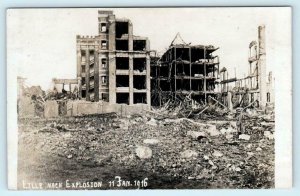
{"x":198,"y":135}
{"x":217,"y":153}
{"x":152,"y":122}
{"x":268,"y":135}
{"x":151,"y":141}
{"x":187,"y":154}
{"x":143,"y":152}
{"x":244,"y":137}
{"x":213,"y":151}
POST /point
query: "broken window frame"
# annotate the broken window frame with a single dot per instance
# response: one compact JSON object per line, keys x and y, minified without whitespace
{"x":103,"y":44}
{"x":104,"y":80}
{"x":104,"y":63}
{"x":83,"y":55}
{"x":103,"y":27}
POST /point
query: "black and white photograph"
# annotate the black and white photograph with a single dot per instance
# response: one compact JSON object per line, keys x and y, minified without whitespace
{"x":149,"y":98}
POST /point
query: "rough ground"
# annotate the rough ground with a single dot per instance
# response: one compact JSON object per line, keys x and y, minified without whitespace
{"x":100,"y":147}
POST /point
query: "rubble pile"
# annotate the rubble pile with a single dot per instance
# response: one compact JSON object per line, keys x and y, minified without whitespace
{"x":185,"y":106}
{"x":196,"y":153}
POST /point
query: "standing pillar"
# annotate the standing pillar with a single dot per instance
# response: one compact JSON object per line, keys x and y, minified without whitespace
{"x":79,"y":72}
{"x":130,"y":80}
{"x":148,"y":81}
{"x":112,"y":78}
{"x":87,"y":74}
{"x":262,"y":67}
{"x":96,"y":75}
{"x":229,"y":102}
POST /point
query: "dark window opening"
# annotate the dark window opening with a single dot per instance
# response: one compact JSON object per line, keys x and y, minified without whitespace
{"x":105,"y":97}
{"x":210,"y":85}
{"x":153,"y":71}
{"x":139,"y":98}
{"x":197,"y":85}
{"x":82,"y":81}
{"x":122,"y":45}
{"x":92,"y":66}
{"x":121,"y":28}
{"x":103,"y":80}
{"x":103,"y":28}
{"x":83,"y":94}
{"x":182,"y":84}
{"x":164,"y":71}
{"x":104,"y":63}
{"x":122,"y":81}
{"x":182,"y":54}
{"x":183,"y":69}
{"x":103,"y":44}
{"x":165,"y":85}
{"x":139,"y":64}
{"x":122,"y":98}
{"x":268,"y":97}
{"x":139,"y":82}
{"x":91,"y":90}
{"x":198,"y":53}
{"x":92,"y":77}
{"x":91,"y":53}
{"x":139,"y":45}
{"x":197,"y":70}
{"x":83,"y":68}
{"x":122,"y":63}
{"x":83,"y":55}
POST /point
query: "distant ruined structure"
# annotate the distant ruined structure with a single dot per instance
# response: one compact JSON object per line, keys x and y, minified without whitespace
{"x":254,"y":87}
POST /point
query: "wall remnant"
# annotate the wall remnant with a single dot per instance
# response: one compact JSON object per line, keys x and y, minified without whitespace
{"x":51,"y":109}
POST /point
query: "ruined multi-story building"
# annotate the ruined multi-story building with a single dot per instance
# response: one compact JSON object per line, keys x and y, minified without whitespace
{"x":185,"y":69}
{"x":256,"y":80}
{"x":255,"y":87}
{"x":114,"y":65}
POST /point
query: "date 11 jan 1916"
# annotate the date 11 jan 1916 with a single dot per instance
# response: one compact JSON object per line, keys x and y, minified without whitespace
{"x":119,"y":182}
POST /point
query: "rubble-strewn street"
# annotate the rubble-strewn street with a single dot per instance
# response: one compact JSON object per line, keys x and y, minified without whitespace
{"x":170,"y":152}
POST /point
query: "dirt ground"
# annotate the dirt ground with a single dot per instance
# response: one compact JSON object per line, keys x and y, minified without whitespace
{"x":97,"y":148}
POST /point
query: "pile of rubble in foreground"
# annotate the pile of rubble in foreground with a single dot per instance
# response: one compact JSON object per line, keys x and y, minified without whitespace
{"x":180,"y":152}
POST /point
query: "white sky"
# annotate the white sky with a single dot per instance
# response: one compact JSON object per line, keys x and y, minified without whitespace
{"x":42,"y":42}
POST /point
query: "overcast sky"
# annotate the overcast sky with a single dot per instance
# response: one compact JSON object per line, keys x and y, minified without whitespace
{"x":42,"y":42}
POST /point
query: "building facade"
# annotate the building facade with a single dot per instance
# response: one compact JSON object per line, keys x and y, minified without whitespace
{"x":185,"y":70}
{"x":114,"y":66}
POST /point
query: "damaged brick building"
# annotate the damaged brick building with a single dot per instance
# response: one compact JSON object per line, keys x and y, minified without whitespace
{"x":114,"y":66}
{"x":185,"y":69}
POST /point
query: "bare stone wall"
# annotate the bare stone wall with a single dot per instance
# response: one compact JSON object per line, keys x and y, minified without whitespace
{"x":51,"y":109}
{"x":26,"y":107}
{"x":75,"y":108}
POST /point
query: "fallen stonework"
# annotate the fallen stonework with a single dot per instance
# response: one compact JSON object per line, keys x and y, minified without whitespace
{"x":143,"y":152}
{"x":151,"y":141}
{"x":170,"y":151}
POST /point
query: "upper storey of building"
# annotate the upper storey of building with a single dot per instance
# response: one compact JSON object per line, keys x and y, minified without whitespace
{"x":115,"y":34}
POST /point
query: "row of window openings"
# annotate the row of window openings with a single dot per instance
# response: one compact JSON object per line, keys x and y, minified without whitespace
{"x":91,"y":52}
{"x":139,"y":82}
{"x":122,"y":63}
{"x":104,"y":96}
{"x":138,"y":45}
{"x":103,"y":65}
{"x":103,"y":80}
